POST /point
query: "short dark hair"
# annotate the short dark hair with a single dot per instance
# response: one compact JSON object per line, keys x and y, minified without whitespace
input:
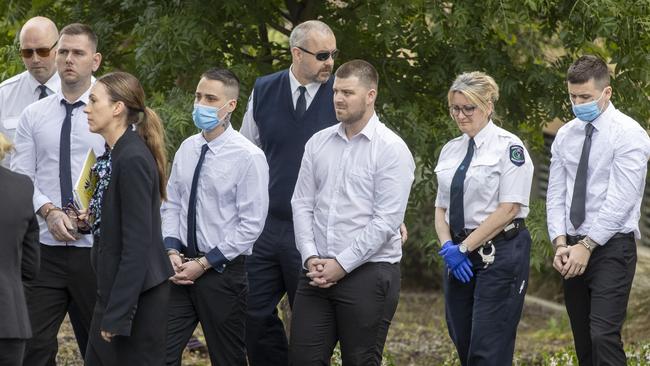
{"x":227,"y":77}
{"x":588,"y":67}
{"x":363,"y":70}
{"x":77,"y":29}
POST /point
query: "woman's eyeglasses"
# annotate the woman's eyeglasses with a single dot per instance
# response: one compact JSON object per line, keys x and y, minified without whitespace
{"x":322,"y":56}
{"x":468,"y":110}
{"x":41,"y":52}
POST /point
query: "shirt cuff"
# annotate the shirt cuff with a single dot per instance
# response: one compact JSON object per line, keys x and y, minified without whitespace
{"x":348,"y":260}
{"x":173,"y":243}
{"x":217,"y":260}
{"x":39,"y":201}
{"x":601,"y":237}
{"x":307,"y":253}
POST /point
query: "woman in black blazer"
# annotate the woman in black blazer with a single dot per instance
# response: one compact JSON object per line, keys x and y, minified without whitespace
{"x":129,"y":321}
{"x":19,"y":259}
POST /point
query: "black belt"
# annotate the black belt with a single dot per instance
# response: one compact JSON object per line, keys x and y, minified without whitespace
{"x":519,"y":224}
{"x":574,"y":239}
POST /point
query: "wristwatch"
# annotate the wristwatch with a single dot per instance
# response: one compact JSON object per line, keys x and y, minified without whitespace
{"x":462,"y":248}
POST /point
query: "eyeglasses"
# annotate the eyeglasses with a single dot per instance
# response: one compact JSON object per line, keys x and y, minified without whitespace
{"x":468,"y":110}
{"x":41,"y":52}
{"x":322,"y":56}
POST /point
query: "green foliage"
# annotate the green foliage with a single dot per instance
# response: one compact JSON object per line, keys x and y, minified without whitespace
{"x":417,"y":46}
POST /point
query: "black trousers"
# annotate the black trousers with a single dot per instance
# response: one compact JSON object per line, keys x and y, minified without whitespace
{"x":146,"y":344}
{"x":357,"y":312}
{"x":12,"y":351}
{"x":273,"y":269}
{"x":218,"y":302}
{"x":482,"y":315}
{"x":65,"y":277}
{"x":597,"y":303}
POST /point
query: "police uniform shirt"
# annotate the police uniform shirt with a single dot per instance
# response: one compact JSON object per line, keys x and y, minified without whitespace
{"x":616,"y":174}
{"x":16,"y":93}
{"x":351,"y":195}
{"x":37,"y":153}
{"x":500,"y":171}
{"x":249,"y":126}
{"x":231,"y":197}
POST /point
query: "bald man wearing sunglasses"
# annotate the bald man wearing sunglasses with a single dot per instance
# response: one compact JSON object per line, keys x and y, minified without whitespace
{"x":284,"y":110}
{"x":38,"y":40}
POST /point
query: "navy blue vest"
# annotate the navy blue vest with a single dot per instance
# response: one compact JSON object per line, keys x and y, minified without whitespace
{"x":283,"y":136}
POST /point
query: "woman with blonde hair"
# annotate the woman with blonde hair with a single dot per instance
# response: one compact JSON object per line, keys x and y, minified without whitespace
{"x":130,"y":317}
{"x":484,"y":180}
{"x":19,"y":260}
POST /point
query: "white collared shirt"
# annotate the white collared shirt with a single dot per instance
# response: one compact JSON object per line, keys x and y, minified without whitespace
{"x":494,"y":176}
{"x":249,"y":126}
{"x":16,"y":93}
{"x":618,"y":160}
{"x":37,"y":153}
{"x":351,"y":195}
{"x":232,"y":196}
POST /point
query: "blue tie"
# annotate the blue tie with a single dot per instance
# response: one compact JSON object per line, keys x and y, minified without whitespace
{"x":65,"y":174}
{"x":192,"y":250}
{"x":579,"y":198}
{"x":43,"y":90}
{"x":301,"y":103}
{"x":456,"y":204}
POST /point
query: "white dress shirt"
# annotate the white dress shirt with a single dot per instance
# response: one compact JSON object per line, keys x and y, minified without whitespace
{"x":618,"y":160}
{"x":351,"y":195}
{"x":16,"y":93}
{"x":232,"y":196}
{"x":37,"y":153}
{"x":492,"y":177}
{"x":249,"y":126}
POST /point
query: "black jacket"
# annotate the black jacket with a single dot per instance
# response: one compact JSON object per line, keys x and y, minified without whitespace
{"x":129,"y":257}
{"x":19,"y":252}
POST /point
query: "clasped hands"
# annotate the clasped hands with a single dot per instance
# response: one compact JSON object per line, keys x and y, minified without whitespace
{"x":571,"y":261}
{"x":324,"y":272}
{"x":185,"y":272}
{"x":458,"y":263}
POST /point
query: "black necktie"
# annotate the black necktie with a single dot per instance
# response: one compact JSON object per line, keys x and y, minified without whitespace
{"x":65,"y":174}
{"x":301,"y":104}
{"x":43,"y":90}
{"x":192,"y":248}
{"x":577,"y":213}
{"x":456,"y":202}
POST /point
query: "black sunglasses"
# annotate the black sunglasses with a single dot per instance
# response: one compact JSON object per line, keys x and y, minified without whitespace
{"x":322,"y":56}
{"x":41,"y":52}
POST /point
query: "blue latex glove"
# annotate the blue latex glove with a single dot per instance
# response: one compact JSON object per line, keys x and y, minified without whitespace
{"x":444,"y":248}
{"x":452,"y":256}
{"x":463,"y":272}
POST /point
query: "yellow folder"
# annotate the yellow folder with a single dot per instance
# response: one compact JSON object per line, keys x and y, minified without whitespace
{"x":86,"y":183}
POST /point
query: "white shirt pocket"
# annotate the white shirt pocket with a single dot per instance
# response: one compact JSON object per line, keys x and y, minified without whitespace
{"x":10,"y":123}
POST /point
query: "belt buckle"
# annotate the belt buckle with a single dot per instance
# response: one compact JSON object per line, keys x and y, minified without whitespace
{"x":489,"y":257}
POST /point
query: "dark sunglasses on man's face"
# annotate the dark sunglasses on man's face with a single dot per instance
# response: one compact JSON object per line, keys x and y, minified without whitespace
{"x":41,"y":52}
{"x":322,"y":56}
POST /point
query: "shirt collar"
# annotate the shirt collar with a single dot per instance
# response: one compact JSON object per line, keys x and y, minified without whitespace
{"x":483,"y":135}
{"x":83,"y":97}
{"x":53,"y":84}
{"x":368,"y":131}
{"x":217,"y":143}
{"x":312,"y":88}
{"x":599,"y":122}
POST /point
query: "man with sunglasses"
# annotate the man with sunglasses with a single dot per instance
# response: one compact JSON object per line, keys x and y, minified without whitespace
{"x":284,"y":110}
{"x":38,"y":40}
{"x":52,"y":141}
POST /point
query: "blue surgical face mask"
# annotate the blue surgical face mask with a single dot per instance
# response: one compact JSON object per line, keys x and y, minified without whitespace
{"x":207,"y":118}
{"x":589,"y":111}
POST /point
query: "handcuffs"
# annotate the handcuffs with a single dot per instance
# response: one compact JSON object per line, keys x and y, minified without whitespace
{"x":487,"y":258}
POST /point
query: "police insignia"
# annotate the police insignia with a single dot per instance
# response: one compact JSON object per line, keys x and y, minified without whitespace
{"x":517,"y":155}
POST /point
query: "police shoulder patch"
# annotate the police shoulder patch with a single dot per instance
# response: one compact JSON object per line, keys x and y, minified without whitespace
{"x":517,"y":155}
